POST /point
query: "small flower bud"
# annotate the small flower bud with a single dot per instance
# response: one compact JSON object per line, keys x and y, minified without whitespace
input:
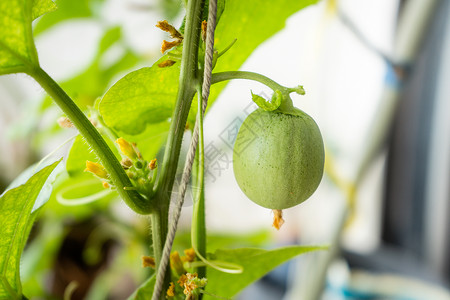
{"x":126,"y":163}
{"x":176,"y":263}
{"x":142,"y":182}
{"x":105,"y":185}
{"x":148,"y":261}
{"x":171,"y":290}
{"x":189,"y":255}
{"x":127,"y":148}
{"x":64,"y":122}
{"x":152,"y":164}
{"x":138,"y":164}
{"x":131,"y":174}
{"x":96,"y":169}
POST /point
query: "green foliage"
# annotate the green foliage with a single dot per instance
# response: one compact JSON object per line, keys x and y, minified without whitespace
{"x":138,"y":108}
{"x":256,"y":263}
{"x":41,"y":7}
{"x":17,"y":49}
{"x":15,"y":213}
{"x":47,"y":188}
{"x":145,"y":96}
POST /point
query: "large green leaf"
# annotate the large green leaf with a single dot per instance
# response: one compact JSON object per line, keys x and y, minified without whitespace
{"x":47,"y":188}
{"x":16,"y":41}
{"x":15,"y":213}
{"x":17,"y":50}
{"x":256,"y":263}
{"x":147,"y":96}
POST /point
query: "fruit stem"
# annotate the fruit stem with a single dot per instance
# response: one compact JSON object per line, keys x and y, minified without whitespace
{"x":286,"y":104}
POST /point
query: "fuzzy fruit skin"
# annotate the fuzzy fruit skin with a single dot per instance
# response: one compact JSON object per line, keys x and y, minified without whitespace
{"x":278,"y":158}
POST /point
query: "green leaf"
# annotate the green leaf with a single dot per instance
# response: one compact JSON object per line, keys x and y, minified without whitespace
{"x":15,"y":213}
{"x":17,"y":50}
{"x":145,"y":290}
{"x":145,"y":96}
{"x":256,"y":263}
{"x":46,"y":190}
{"x":41,"y":7}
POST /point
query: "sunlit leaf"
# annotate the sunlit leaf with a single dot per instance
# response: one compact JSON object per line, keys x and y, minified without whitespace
{"x":46,"y":190}
{"x":17,"y":50}
{"x":41,"y":7}
{"x":142,"y":97}
{"x":256,"y":263}
{"x":15,"y":213}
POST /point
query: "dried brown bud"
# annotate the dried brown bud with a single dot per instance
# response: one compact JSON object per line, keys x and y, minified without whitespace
{"x":148,"y":261}
{"x":278,"y":220}
{"x":204,"y":27}
{"x":168,"y":45}
{"x":166,"y":63}
{"x":165,"y":26}
{"x":152,"y":164}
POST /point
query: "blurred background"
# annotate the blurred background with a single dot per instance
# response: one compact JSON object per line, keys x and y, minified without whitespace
{"x":376,"y":75}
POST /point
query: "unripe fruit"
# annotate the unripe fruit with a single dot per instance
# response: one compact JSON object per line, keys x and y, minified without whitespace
{"x":278,"y":158}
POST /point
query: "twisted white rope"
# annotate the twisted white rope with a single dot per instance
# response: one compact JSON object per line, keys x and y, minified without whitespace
{"x":211,"y":25}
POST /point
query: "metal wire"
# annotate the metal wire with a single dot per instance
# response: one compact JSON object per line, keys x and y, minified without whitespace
{"x":211,"y":25}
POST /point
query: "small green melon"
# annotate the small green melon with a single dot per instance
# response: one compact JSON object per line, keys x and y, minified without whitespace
{"x":278,"y":158}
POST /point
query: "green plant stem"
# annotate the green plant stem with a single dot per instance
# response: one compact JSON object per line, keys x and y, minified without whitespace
{"x":159,"y":226}
{"x":116,"y":173}
{"x":286,"y":104}
{"x":198,"y":218}
{"x":223,"y":76}
{"x":186,"y":91}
